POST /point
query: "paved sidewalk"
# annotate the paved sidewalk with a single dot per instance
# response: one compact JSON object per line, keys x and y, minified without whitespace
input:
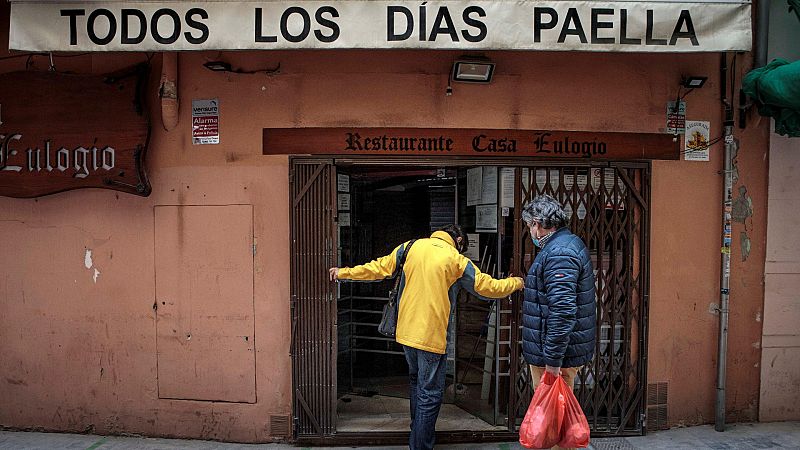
{"x":781,"y":435}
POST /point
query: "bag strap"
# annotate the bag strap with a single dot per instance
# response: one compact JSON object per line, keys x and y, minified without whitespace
{"x":402,"y":263}
{"x":405,"y":252}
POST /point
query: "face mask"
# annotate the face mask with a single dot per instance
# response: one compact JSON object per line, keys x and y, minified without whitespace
{"x":536,"y":241}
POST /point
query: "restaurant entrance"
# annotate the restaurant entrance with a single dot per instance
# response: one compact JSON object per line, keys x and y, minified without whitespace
{"x":351,"y":383}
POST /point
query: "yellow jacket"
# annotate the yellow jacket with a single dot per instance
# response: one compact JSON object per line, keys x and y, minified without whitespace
{"x":433,"y":274}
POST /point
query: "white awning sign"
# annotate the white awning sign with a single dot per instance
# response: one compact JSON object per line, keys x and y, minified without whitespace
{"x":558,"y":25}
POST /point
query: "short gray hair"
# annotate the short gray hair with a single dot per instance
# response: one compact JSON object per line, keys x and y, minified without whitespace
{"x":546,"y":211}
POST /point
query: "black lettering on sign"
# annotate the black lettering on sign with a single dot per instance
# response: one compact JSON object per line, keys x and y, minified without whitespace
{"x":176,"y":26}
{"x":597,"y":24}
{"x":384,"y":143}
{"x":102,"y":25}
{"x":576,"y":29}
{"x":328,"y":30}
{"x":623,"y":30}
{"x":331,"y":25}
{"x":539,"y":25}
{"x":391,"y":13}
{"x":684,"y":19}
{"x":423,"y":22}
{"x":91,"y":25}
{"x":401,"y":24}
{"x":125,"y":32}
{"x":474,"y":23}
{"x":482,"y":144}
{"x":584,"y":149}
{"x":449,"y":28}
{"x":259,"y":12}
{"x":285,"y":24}
{"x":649,"y":40}
{"x":541,"y":143}
{"x":547,"y":19}
{"x":353,"y":142}
{"x":194,"y":24}
{"x":73,"y":23}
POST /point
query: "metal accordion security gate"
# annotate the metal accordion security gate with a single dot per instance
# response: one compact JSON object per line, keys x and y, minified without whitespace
{"x":608,"y":208}
{"x":313,"y":241}
{"x":608,"y":205}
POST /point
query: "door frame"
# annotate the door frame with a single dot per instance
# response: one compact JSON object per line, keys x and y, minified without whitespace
{"x":329,"y":436}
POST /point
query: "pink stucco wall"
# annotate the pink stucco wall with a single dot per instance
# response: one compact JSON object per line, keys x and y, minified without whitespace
{"x":81,"y":355}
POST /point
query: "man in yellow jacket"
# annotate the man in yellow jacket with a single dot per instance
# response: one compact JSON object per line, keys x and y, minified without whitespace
{"x":433,"y":273}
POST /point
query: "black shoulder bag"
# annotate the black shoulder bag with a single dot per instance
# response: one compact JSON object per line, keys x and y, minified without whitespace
{"x":388,"y":325}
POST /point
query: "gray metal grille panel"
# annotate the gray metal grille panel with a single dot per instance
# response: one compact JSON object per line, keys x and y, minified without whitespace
{"x":313,"y":298}
{"x":608,"y":207}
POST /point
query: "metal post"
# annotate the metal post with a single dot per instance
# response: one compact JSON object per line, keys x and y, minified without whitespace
{"x":725,"y":274}
{"x":760,"y":46}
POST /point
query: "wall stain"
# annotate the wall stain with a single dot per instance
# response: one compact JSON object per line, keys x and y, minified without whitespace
{"x":742,"y":206}
{"x":744,"y":242}
{"x":741,"y":209}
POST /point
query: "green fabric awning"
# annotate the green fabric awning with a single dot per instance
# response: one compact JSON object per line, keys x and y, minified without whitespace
{"x":776,"y":91}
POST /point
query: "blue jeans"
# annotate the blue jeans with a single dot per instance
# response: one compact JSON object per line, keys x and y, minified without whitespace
{"x":426,"y":374}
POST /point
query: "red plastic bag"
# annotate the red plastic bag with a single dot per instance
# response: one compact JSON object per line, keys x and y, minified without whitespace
{"x":575,"y":428}
{"x":541,"y":427}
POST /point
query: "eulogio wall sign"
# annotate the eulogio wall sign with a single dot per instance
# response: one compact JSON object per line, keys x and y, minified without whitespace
{"x":62,"y":132}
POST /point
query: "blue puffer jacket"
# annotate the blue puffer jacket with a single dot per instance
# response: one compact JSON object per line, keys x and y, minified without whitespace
{"x":558,"y":313}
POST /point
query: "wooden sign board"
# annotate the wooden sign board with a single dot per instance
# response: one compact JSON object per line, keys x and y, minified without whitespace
{"x":60,"y":132}
{"x":469,"y":142}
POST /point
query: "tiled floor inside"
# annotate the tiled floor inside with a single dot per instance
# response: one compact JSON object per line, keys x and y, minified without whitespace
{"x":383,"y":413}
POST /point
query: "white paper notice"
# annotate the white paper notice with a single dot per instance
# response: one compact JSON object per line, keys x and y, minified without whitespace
{"x":569,"y":180}
{"x":486,"y":218}
{"x":696,"y":140}
{"x":608,"y":177}
{"x":342,"y":182}
{"x":542,"y":176}
{"x":343,"y":203}
{"x":344,"y":219}
{"x":474,"y":184}
{"x":507,"y":187}
{"x":473,"y":250}
{"x":489,"y":187}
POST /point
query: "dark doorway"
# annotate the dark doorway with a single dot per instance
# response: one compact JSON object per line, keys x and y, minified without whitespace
{"x":387,"y":206}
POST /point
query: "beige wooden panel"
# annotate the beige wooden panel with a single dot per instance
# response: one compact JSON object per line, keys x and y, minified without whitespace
{"x":781,"y":300}
{"x":204,"y":294}
{"x":780,"y":396}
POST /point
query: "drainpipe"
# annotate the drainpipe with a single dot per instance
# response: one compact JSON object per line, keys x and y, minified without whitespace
{"x":725,"y":272}
{"x":762,"y":34}
{"x":760,"y":49}
{"x":760,"y":52}
{"x":168,"y":90}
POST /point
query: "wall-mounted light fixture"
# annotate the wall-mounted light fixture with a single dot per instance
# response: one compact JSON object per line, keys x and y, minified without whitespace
{"x":217,"y":66}
{"x":693,"y":82}
{"x":473,"y":71}
{"x":222,"y":66}
{"x":690,"y":83}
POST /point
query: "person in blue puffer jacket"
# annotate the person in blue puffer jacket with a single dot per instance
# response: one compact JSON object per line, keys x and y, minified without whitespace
{"x":559,"y":307}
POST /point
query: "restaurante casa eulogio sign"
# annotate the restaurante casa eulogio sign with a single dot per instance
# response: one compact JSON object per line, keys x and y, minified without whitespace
{"x":60,"y":132}
{"x":469,"y":142}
